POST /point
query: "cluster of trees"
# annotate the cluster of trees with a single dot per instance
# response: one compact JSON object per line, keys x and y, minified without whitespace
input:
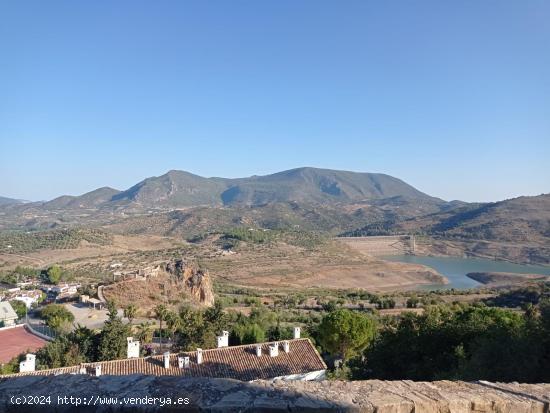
{"x":521,"y":297}
{"x":383,"y":302}
{"x":467,"y":342}
{"x":191,"y":328}
{"x":57,"y":317}
{"x":83,"y":345}
{"x":458,"y":341}
{"x":18,"y":274}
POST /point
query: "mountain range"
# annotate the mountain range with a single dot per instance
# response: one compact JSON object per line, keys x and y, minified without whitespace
{"x":343,"y":203}
{"x":180,"y":189}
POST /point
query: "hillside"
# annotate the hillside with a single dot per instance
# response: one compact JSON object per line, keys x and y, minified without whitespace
{"x":313,"y":185}
{"x":515,"y":229}
{"x":90,"y":199}
{"x":519,"y":219}
{"x":9,"y":201}
{"x":173,"y":189}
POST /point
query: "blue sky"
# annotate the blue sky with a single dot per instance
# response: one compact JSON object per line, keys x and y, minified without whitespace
{"x":450,"y":96}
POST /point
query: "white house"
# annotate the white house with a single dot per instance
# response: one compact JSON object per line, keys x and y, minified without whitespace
{"x":8,"y":316}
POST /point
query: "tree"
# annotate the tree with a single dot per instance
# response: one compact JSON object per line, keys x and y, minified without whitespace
{"x":161,"y":313}
{"x":56,"y":316}
{"x":112,"y":339}
{"x":215,"y":318}
{"x":252,"y":333}
{"x":19,"y":307}
{"x":112,"y":311}
{"x":412,"y":301}
{"x":54,"y":274}
{"x":87,"y":342}
{"x":173,"y":322}
{"x":130,"y":312}
{"x":194,"y":331}
{"x":144,"y":332}
{"x":330,"y":306}
{"x":345,"y":333}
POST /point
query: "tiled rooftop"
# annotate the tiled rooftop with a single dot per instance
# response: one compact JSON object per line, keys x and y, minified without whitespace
{"x":236,"y":362}
{"x":16,"y":340}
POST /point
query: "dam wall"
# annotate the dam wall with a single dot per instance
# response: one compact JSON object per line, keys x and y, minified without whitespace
{"x":382,"y":245}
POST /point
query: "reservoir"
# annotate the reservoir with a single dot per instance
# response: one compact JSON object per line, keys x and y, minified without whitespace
{"x":456,"y":268}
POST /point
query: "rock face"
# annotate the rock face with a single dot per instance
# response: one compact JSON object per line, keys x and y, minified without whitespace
{"x":197,"y":281}
{"x":115,"y":393}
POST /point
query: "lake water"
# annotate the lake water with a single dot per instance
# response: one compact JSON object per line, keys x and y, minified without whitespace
{"x":455,"y":269}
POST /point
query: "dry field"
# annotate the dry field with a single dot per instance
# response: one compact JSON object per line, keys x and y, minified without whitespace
{"x":275,"y":264}
{"x":336,"y":265}
{"x":121,"y":245}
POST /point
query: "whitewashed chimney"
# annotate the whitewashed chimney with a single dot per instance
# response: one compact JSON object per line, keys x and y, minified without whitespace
{"x":186,"y":362}
{"x":29,"y":364}
{"x":166,"y":360}
{"x":133,"y":348}
{"x":274,"y":350}
{"x":223,"y":340}
{"x":97,"y":370}
{"x":286,"y":346}
{"x":259,"y":350}
{"x":296,"y":332}
{"x":180,"y":362}
{"x":199,"y":356}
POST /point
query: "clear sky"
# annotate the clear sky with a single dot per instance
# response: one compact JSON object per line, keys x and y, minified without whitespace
{"x":451,"y":96}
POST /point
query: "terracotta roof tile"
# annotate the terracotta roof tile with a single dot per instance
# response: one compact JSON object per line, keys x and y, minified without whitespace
{"x":236,"y":362}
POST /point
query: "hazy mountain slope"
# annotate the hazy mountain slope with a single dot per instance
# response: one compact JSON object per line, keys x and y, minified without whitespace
{"x":9,"y":201}
{"x":514,"y":220}
{"x":317,"y":185}
{"x":174,"y":189}
{"x":90,"y":199}
{"x":519,"y":219}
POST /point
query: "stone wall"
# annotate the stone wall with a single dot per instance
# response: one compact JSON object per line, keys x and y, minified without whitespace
{"x":221,"y":395}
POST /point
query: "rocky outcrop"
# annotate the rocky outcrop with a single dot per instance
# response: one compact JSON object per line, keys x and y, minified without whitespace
{"x":166,"y":281}
{"x":197,"y":282}
{"x":121,"y":393}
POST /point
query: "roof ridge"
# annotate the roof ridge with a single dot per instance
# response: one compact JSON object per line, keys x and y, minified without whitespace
{"x":159,"y":356}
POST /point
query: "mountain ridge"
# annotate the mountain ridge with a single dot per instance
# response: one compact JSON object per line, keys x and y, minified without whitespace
{"x":176,"y":189}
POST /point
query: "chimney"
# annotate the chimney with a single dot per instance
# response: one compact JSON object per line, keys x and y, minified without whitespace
{"x":166,"y":360}
{"x":29,"y":364}
{"x":133,"y":348}
{"x":223,"y":340}
{"x":199,"y":356}
{"x":183,"y":362}
{"x":98,"y":370}
{"x":259,"y":350}
{"x":296,"y":332}
{"x":82,"y":369}
{"x":274,"y":350}
{"x":286,"y":346}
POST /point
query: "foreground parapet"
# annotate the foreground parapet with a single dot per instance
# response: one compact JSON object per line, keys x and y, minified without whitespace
{"x":146,"y":393}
